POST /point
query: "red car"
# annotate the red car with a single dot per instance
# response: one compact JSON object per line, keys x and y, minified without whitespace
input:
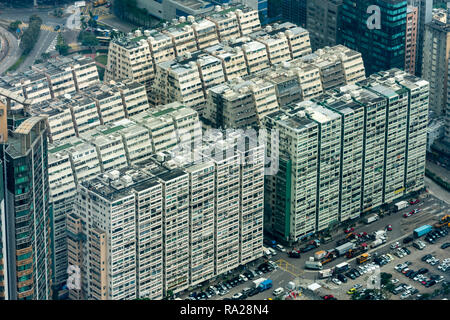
{"x":349,"y":230}
{"x":406,"y":215}
{"x":329,"y":297}
{"x":414,"y":201}
{"x":389,"y":227}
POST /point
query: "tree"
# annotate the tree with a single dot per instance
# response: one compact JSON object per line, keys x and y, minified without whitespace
{"x":13,"y":26}
{"x":45,"y":55}
{"x":31,"y":34}
{"x":61,"y":45}
{"x":88,"y":39}
{"x":385,"y":278}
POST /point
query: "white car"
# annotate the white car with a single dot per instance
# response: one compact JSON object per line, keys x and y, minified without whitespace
{"x":236,"y":296}
{"x":395,"y":245}
{"x":394,"y":281}
{"x":405,"y":294}
{"x":244,"y":278}
{"x":278,"y":291}
{"x":336,"y":281}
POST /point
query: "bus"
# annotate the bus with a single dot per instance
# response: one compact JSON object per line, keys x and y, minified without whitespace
{"x":342,"y":267}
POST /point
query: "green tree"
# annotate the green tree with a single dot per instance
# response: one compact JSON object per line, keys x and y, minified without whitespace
{"x":61,"y":45}
{"x":88,"y":39}
{"x":14,"y":25}
{"x":45,"y":55}
{"x":385,"y":278}
{"x":31,"y":34}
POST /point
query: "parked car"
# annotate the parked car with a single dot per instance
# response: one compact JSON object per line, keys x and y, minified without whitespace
{"x":395,"y":245}
{"x":336,"y":281}
{"x":414,"y":201}
{"x":422,"y":270}
{"x":342,"y":278}
{"x":430,"y":283}
{"x":445,"y":245}
{"x":407,"y":240}
{"x":237,"y":296}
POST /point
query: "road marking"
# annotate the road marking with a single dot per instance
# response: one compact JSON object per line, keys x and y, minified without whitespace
{"x":288,"y":267}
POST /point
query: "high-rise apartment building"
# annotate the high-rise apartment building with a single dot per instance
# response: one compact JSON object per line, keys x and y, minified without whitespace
{"x":411,"y":39}
{"x":26,"y":217}
{"x":240,"y":104}
{"x":322,"y":19}
{"x":350,"y":151}
{"x":52,"y":79}
{"x":383,"y":48}
{"x":163,"y":225}
{"x":435,"y":63}
{"x":295,"y":11}
{"x":425,"y":13}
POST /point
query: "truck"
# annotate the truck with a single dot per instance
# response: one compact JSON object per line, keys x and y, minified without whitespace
{"x":257,"y":282}
{"x":401,"y":205}
{"x":443,"y":221}
{"x":318,"y":255}
{"x":325,"y":273}
{"x":343,"y":249}
{"x":379,"y":234}
{"x":330,"y":256}
{"x":371,"y":219}
{"x":363,"y":258}
{"x":314,"y":265}
{"x":265,"y":285}
{"x":377,"y":243}
{"x":353,"y":252}
{"x":341,"y":267}
{"x":423,"y":230}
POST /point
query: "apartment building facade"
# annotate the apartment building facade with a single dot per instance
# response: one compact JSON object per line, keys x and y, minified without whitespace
{"x":192,"y":221}
{"x":346,"y":153}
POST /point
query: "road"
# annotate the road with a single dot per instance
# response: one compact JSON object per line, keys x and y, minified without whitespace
{"x":47,"y":35}
{"x":293,"y":269}
{"x":41,"y":46}
{"x":14,"y":51}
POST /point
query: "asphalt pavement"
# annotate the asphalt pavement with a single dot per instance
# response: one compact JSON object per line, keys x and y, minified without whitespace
{"x":291,"y":269}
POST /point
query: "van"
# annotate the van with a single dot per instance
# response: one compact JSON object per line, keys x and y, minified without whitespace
{"x":278,"y":291}
{"x":280,"y":248}
{"x":272,"y":251}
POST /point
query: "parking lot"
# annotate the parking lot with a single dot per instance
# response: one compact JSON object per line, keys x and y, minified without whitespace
{"x":292,"y":270}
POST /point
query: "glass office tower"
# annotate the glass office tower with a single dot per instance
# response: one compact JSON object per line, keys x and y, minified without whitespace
{"x":381,"y":48}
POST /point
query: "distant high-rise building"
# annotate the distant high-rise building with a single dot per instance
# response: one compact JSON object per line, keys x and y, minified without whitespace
{"x":26,"y":219}
{"x":425,"y":16}
{"x":322,"y":20}
{"x":381,"y":49}
{"x":295,"y":11}
{"x":411,"y":39}
{"x":447,"y":111}
{"x":260,"y":5}
{"x":435,"y":63}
